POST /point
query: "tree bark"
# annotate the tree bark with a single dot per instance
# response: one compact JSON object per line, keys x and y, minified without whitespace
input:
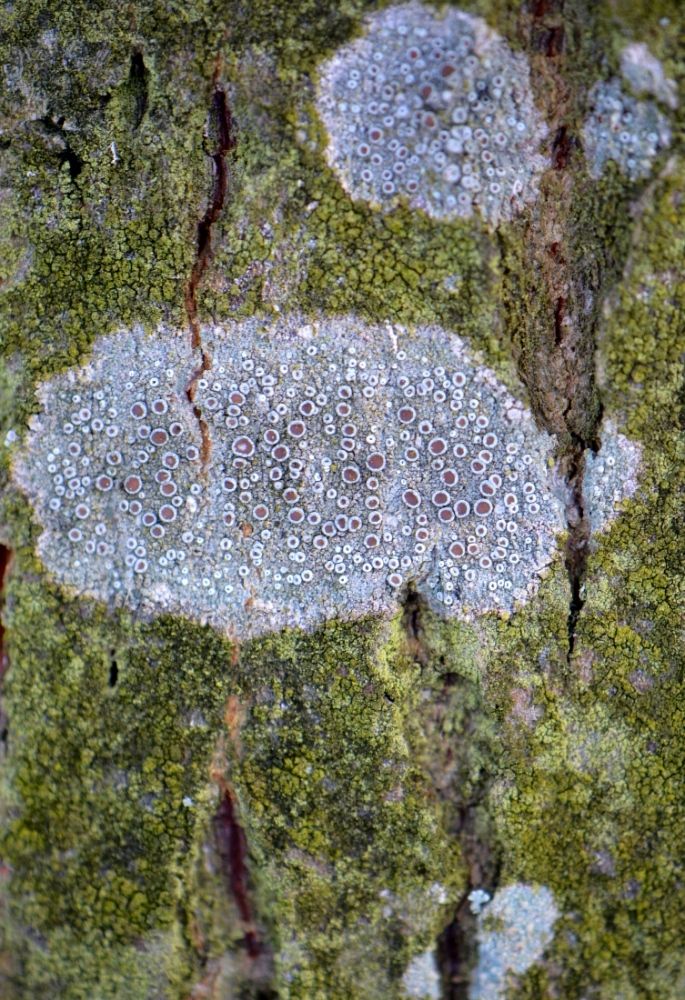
{"x":400,"y":804}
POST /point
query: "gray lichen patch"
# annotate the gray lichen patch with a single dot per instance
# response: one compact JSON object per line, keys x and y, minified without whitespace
{"x":632,"y":133}
{"x":610,"y":476}
{"x":434,"y":108}
{"x":513,"y":932}
{"x":346,"y":461}
{"x":421,"y":979}
{"x":645,"y":75}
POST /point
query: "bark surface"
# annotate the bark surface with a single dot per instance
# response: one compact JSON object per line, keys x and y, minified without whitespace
{"x":400,"y":807}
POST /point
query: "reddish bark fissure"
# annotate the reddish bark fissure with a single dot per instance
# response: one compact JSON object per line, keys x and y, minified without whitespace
{"x":571,"y":346}
{"x":232,"y":849}
{"x":230,"y":838}
{"x":6,"y":557}
{"x":222,"y":121}
{"x":223,"y":127}
{"x":564,"y":395}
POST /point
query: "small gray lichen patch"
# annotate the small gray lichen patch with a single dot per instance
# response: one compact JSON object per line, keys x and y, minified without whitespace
{"x":421,"y":979}
{"x":624,"y":129}
{"x":433,"y":107}
{"x":610,"y":476}
{"x":345,"y":461}
{"x":513,"y":932}
{"x":645,"y":75}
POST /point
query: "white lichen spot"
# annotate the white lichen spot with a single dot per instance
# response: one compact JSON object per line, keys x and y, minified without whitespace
{"x":478,"y":898}
{"x":421,"y":979}
{"x":513,"y":932}
{"x":645,"y":75}
{"x":435,"y":109}
{"x":621,"y":128}
{"x":611,"y":476}
{"x":340,"y":462}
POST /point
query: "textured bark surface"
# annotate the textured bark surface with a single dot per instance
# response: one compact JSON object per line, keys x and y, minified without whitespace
{"x":306,"y":815}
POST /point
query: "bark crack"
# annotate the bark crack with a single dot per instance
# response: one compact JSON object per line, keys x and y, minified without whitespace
{"x":578,"y":539}
{"x":412,"y":610}
{"x":6,"y":558}
{"x":559,"y":368}
{"x":229,"y":835}
{"x":139,"y":85}
{"x":222,"y":132}
{"x":232,"y":849}
{"x":457,"y":945}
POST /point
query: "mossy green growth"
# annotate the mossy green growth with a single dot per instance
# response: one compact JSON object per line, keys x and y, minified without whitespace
{"x":112,"y":726}
{"x":360,"y":744}
{"x":329,"y":764}
{"x":113,"y":722}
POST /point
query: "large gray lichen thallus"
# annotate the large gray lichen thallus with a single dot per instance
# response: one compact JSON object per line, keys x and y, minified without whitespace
{"x":434,"y":108}
{"x":343,"y":462}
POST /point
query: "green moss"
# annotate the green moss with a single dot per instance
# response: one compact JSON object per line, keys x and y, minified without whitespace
{"x":107,"y":793}
{"x":330,"y":771}
{"x":107,"y":168}
{"x":111,"y":729}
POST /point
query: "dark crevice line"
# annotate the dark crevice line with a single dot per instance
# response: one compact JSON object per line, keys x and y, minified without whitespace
{"x":139,"y":83}
{"x":222,"y":126}
{"x":67,"y":154}
{"x":457,"y":945}
{"x":456,"y":952}
{"x":577,"y":543}
{"x":548,"y":32}
{"x":6,"y":557}
{"x":579,"y":530}
{"x":225,"y":143}
{"x":230,"y":838}
{"x":559,"y":312}
{"x":232,"y":849}
{"x":73,"y":160}
{"x":412,"y":610}
{"x":113,"y":669}
{"x":563,"y":147}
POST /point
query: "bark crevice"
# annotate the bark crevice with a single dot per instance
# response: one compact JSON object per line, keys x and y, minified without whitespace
{"x":231,"y":844}
{"x":221,"y":132}
{"x":6,"y":559}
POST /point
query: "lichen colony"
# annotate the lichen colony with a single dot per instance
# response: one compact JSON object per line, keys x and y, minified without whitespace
{"x":338,"y":463}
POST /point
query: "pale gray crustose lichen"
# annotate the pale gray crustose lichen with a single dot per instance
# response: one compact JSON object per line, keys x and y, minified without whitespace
{"x":620,"y":128}
{"x":433,"y":107}
{"x":610,"y":476}
{"x":346,"y":460}
{"x":421,"y":979}
{"x":645,"y":74}
{"x":513,"y":931}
